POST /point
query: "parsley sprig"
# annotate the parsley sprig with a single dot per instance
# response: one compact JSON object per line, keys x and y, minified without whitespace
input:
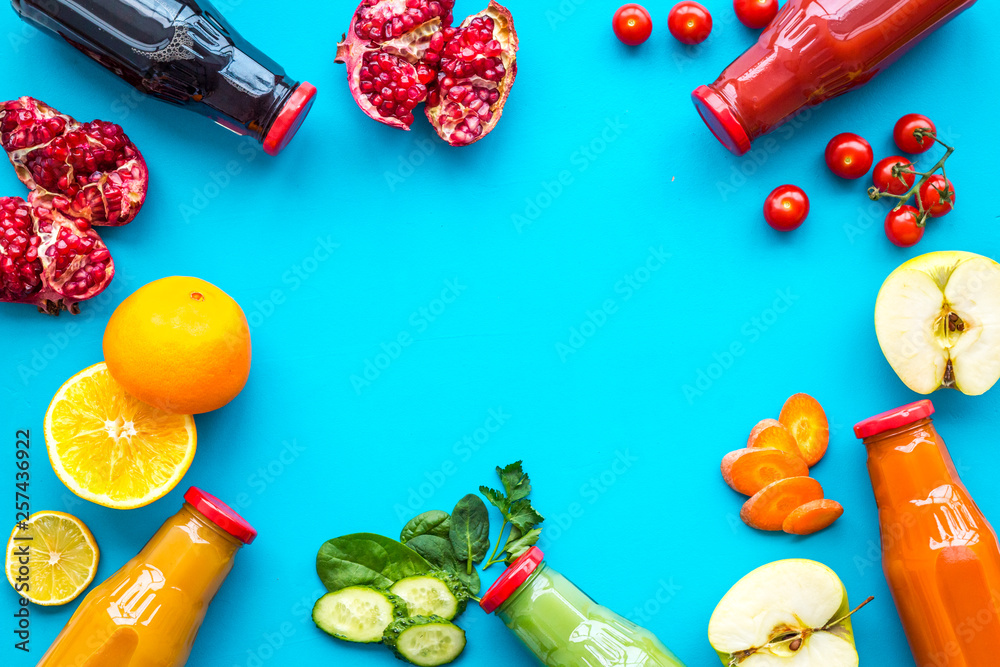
{"x":517,"y":512}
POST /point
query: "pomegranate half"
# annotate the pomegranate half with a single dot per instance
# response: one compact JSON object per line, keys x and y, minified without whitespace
{"x":80,"y":175}
{"x":400,"y":53}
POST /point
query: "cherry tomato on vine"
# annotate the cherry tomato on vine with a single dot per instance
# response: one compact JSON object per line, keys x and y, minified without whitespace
{"x":755,"y":14}
{"x":632,"y":24}
{"x":903,"y":133}
{"x":786,"y":207}
{"x":897,"y":183}
{"x":937,"y":196}
{"x":901,"y":226}
{"x":689,"y":22}
{"x":848,"y":155}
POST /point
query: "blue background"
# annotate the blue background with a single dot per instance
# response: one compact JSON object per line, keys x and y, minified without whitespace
{"x":309,"y":455}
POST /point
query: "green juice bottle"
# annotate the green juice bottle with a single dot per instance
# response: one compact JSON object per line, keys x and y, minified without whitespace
{"x":562,"y":626}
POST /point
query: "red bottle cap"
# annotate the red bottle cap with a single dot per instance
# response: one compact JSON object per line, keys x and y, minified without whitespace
{"x":720,"y":119}
{"x":511,"y":579}
{"x":221,"y":514}
{"x":894,"y":419}
{"x":289,"y":118}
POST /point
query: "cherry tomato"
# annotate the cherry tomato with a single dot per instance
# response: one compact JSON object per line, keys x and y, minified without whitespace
{"x":897,"y":183}
{"x":632,"y":23}
{"x":755,"y":14}
{"x":786,"y":207}
{"x":848,"y":155}
{"x":904,"y":135}
{"x":689,"y":22}
{"x":937,"y":196}
{"x":901,"y":226}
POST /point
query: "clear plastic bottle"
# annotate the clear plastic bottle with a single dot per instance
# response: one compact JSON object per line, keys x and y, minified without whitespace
{"x":148,"y":613}
{"x":562,"y":626}
{"x":183,"y":52}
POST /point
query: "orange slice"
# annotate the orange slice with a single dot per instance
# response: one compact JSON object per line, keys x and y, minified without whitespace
{"x":111,"y":448}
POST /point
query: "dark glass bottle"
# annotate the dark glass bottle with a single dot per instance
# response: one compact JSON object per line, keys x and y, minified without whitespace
{"x":183,"y":52}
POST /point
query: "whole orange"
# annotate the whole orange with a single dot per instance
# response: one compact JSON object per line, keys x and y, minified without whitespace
{"x":179,"y":343}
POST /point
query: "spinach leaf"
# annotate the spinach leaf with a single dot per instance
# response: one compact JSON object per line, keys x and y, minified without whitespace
{"x":470,"y":530}
{"x":366,"y":559}
{"x":439,"y":552}
{"x":435,"y":523}
{"x":471,"y":580}
{"x":436,"y":550}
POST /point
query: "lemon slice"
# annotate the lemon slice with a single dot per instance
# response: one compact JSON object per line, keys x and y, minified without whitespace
{"x":51,"y":558}
{"x":111,"y":448}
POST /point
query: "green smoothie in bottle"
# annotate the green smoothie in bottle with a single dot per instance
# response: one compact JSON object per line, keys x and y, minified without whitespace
{"x":562,"y":626}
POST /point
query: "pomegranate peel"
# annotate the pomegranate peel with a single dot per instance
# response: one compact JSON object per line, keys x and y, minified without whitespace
{"x":79,"y":175}
{"x":478,"y":68}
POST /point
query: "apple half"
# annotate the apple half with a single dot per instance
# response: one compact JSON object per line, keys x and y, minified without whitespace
{"x":789,"y":613}
{"x":937,"y":318}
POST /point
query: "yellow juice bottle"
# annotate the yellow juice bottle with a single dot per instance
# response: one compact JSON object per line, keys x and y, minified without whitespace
{"x":148,"y":613}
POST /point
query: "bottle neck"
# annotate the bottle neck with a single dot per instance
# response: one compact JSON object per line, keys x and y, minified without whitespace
{"x":908,"y":462}
{"x":194,"y":547}
{"x":512,"y":603}
{"x":219,"y":537}
{"x":277,"y":98}
{"x":906,"y":438}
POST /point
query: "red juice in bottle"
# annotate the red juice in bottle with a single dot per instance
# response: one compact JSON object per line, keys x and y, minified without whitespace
{"x":183,"y":52}
{"x":812,"y":51}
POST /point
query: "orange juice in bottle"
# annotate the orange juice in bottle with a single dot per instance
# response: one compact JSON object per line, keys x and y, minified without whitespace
{"x":148,"y":613}
{"x":940,"y":555}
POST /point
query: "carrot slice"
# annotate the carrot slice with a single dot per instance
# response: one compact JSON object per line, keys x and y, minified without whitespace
{"x":769,"y":507}
{"x":804,"y":418}
{"x":750,"y":470}
{"x":812,"y":517}
{"x":772,"y":433}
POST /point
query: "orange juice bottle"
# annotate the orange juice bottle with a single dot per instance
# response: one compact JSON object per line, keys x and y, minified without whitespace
{"x":148,"y":613}
{"x":940,"y":555}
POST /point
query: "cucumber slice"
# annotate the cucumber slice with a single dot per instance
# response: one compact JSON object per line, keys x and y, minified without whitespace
{"x":435,"y":594}
{"x":358,"y":613}
{"x":426,"y":641}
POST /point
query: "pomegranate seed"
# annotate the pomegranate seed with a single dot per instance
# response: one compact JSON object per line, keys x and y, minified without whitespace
{"x":390,"y":88}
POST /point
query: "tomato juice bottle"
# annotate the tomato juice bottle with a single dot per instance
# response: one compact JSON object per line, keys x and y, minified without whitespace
{"x":148,"y":613}
{"x":562,"y":626}
{"x":183,"y":52}
{"x":940,"y":554}
{"x":812,"y":51}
